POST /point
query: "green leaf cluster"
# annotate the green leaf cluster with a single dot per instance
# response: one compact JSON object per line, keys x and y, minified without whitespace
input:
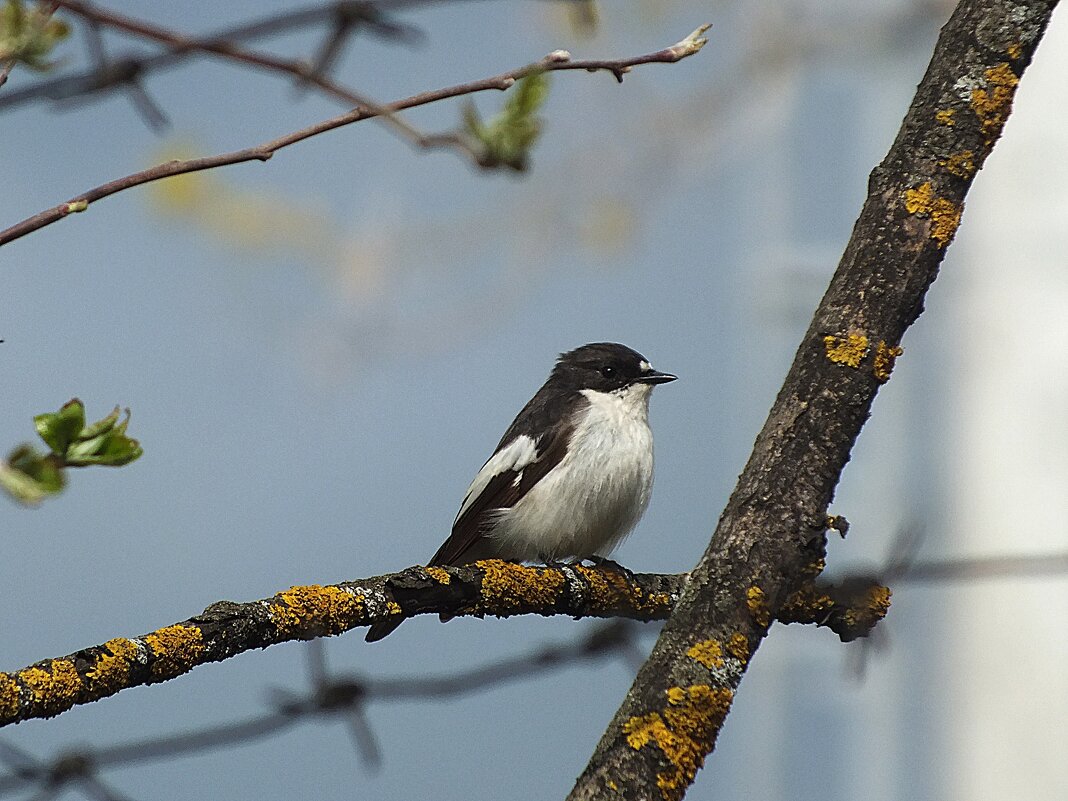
{"x":29,"y":35}
{"x":30,"y":476}
{"x":507,"y":139}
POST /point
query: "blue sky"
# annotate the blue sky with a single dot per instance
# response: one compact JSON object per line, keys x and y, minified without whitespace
{"x":312,"y":403}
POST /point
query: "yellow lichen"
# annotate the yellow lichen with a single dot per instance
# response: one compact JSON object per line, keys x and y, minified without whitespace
{"x":1014,"y":51}
{"x":807,"y":605}
{"x":960,"y":164}
{"x":815,"y":567}
{"x":875,"y":605}
{"x":684,"y":731}
{"x":439,"y":574}
{"x":112,"y":668}
{"x":756,"y":600}
{"x":393,"y":607}
{"x":945,"y":116}
{"x":738,"y":646}
{"x":508,"y":588}
{"x":54,"y":689}
{"x":9,"y":697}
{"x":176,"y":649}
{"x":849,"y":350}
{"x":313,"y":610}
{"x":944,"y":214}
{"x":993,"y":104}
{"x":885,"y":356}
{"x":708,"y":652}
{"x":610,"y":589}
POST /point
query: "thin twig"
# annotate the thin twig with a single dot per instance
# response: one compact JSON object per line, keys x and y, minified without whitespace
{"x":297,"y":68}
{"x":98,"y":80}
{"x":556,"y":61}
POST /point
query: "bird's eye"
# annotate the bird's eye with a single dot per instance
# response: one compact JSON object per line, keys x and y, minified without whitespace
{"x":608,"y":371}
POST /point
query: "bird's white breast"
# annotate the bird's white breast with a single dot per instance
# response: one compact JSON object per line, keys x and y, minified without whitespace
{"x":594,"y":497}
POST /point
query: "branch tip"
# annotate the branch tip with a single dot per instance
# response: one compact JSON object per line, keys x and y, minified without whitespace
{"x":691,"y":44}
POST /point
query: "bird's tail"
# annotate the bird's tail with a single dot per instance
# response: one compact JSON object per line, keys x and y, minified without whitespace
{"x":382,"y":629}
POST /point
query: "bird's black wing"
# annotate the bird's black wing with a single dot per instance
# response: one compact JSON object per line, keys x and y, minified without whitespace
{"x":534,"y":444}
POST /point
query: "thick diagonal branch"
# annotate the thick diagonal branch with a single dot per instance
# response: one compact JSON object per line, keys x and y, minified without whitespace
{"x":772,"y":531}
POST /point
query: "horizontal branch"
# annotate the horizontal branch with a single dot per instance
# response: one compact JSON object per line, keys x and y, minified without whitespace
{"x":492,"y":587}
{"x":556,"y":61}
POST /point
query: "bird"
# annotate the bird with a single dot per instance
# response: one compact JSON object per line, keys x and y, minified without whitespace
{"x":571,"y":476}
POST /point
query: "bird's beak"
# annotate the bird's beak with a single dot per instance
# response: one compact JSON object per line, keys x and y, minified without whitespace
{"x":656,"y":377}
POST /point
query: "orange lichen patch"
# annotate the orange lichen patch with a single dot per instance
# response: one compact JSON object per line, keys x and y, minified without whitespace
{"x":610,"y":589}
{"x":848,"y":351}
{"x":807,"y":605}
{"x":1014,"y":51}
{"x":313,"y":610}
{"x":9,"y":697}
{"x":960,"y":164}
{"x":439,"y":574}
{"x":756,"y":600}
{"x":54,"y":689}
{"x":945,"y":116}
{"x":993,"y":104}
{"x":684,"y":731}
{"x":393,"y":607}
{"x":112,"y":668}
{"x":885,"y":356}
{"x":876,"y":603}
{"x":176,"y":649}
{"x":919,"y":200}
{"x":738,"y":647}
{"x":944,"y":214}
{"x":708,"y":652}
{"x":508,"y":588}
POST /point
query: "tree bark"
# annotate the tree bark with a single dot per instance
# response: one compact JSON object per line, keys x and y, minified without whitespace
{"x":771,"y":535}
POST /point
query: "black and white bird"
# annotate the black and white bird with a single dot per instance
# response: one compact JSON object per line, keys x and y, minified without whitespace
{"x":573,"y":473}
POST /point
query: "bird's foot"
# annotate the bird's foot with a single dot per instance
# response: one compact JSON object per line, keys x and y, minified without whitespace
{"x":604,"y":563}
{"x":552,"y":562}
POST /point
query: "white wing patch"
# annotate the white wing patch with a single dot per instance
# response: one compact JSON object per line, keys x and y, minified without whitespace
{"x":516,"y":455}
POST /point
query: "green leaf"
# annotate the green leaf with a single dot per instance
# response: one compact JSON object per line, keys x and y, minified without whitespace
{"x":58,"y":430}
{"x":29,"y":36}
{"x":29,"y":477}
{"x":104,"y":443}
{"x":103,"y":425}
{"x":507,"y":139}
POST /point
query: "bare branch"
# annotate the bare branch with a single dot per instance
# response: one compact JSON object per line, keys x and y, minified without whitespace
{"x":371,"y":14}
{"x":296,"y":68}
{"x":771,"y":537}
{"x":557,"y":61}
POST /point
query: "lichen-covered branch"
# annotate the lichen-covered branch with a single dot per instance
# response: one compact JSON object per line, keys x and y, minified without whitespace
{"x":772,"y":532}
{"x":226,"y":628}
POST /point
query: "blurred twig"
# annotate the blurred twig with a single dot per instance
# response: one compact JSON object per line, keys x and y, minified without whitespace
{"x":327,"y":696}
{"x":100,"y":77}
{"x":302,"y":70}
{"x":556,"y":61}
